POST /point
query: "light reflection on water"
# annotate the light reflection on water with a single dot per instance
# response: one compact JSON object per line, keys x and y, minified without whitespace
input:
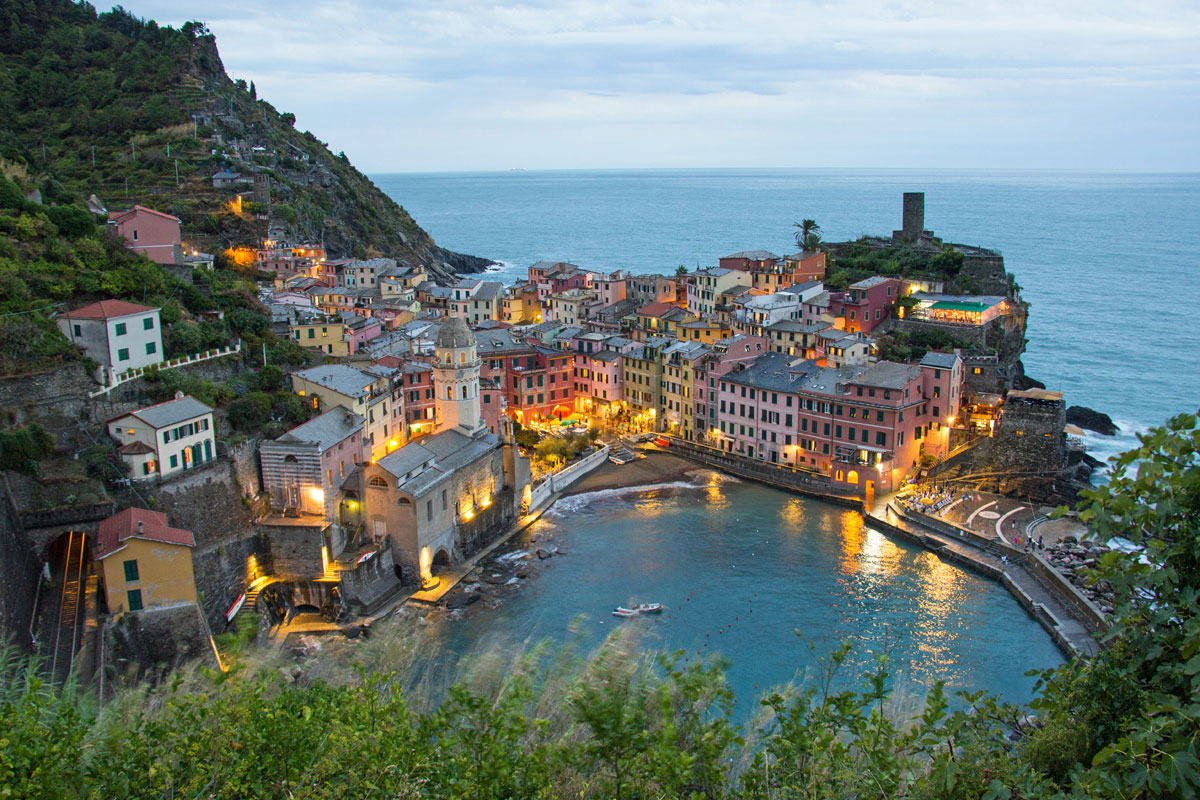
{"x":741,"y":567}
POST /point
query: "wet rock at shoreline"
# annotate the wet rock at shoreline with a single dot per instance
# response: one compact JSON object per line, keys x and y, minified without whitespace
{"x":1090,"y":420}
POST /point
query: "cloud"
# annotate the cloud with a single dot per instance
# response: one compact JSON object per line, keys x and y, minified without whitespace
{"x":462,"y":84}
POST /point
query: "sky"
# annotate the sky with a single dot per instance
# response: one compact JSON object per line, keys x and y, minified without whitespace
{"x":448,"y":85}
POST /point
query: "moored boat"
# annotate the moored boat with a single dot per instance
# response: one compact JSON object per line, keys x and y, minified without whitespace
{"x":620,"y":611}
{"x":650,"y":608}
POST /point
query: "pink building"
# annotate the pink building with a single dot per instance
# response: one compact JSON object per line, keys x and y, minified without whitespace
{"x":360,"y":330}
{"x":610,"y":288}
{"x":726,"y":355}
{"x":151,"y":233}
{"x":854,"y":424}
{"x":867,"y":303}
{"x":943,"y":374}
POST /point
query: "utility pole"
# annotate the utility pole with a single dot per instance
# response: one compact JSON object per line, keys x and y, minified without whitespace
{"x":43,"y":151}
{"x":176,"y":171}
{"x":93,"y":156}
{"x":264,"y":353}
{"x":126,"y":187}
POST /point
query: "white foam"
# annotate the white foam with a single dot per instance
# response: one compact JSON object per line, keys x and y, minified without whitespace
{"x":1102,"y":448}
{"x":516,"y":555}
{"x":577,"y":502}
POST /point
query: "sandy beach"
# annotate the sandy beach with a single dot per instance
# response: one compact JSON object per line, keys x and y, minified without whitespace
{"x":656,"y":467}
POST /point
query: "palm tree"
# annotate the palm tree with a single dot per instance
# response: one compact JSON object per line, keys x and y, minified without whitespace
{"x":809,"y":235}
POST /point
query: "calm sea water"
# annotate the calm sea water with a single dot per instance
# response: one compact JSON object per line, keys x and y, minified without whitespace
{"x":1107,"y":259}
{"x":742,"y":568}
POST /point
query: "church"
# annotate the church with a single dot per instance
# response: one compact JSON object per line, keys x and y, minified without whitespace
{"x":444,"y":497}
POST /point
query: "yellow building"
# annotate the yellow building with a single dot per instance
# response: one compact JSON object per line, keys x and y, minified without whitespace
{"x":328,"y":337}
{"x":145,"y":563}
{"x":701,"y":330}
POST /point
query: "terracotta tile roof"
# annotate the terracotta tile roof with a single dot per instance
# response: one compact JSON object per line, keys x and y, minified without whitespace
{"x":120,"y":216}
{"x":139,"y":523}
{"x":655,"y":309}
{"x":107,"y":309}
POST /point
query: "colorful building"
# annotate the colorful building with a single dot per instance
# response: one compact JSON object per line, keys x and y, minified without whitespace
{"x":165,"y":438}
{"x":145,"y":564}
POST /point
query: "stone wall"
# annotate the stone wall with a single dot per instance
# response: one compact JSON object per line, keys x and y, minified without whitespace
{"x":206,"y":501}
{"x":986,"y":269}
{"x":225,"y":570}
{"x":246,"y":471}
{"x":157,"y":641}
{"x":19,"y":571}
{"x":1029,"y":436}
{"x":487,"y":524}
{"x":62,"y":390}
{"x":296,"y":549}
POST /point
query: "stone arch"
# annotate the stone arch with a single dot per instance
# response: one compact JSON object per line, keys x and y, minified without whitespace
{"x":290,"y":459}
{"x":377,"y":482}
{"x":441,"y":558}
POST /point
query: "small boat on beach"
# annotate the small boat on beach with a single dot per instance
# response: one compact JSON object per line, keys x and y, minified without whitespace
{"x":650,"y":608}
{"x":620,"y":611}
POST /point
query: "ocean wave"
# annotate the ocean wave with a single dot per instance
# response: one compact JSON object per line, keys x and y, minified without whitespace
{"x":1102,"y":448}
{"x":577,"y":502}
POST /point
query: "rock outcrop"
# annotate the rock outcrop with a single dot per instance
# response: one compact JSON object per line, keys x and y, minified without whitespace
{"x":1090,"y":420}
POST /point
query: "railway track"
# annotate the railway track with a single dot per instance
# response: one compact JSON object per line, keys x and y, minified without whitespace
{"x":70,"y":609}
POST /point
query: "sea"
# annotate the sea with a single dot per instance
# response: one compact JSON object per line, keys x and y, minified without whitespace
{"x":1106,"y":259}
{"x":770,"y":581}
{"x":773,"y":581}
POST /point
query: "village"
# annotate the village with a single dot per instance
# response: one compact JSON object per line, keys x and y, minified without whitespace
{"x":440,"y":418}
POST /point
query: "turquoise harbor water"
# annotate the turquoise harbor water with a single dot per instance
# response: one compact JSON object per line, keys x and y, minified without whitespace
{"x":1108,"y":260}
{"x":1108,"y":264}
{"x":741,"y":567}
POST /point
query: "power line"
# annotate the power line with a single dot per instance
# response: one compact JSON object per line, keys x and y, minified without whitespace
{"x":32,"y":310}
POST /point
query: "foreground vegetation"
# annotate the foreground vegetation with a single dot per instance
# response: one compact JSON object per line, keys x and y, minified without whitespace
{"x":622,"y":724}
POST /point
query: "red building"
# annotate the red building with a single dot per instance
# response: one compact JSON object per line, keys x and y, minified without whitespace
{"x":151,"y":233}
{"x":536,"y":380}
{"x":750,"y":261}
{"x":867,"y":303}
{"x":805,"y":267}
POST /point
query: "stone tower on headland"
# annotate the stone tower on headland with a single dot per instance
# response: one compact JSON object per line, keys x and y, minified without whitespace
{"x":912,"y":227}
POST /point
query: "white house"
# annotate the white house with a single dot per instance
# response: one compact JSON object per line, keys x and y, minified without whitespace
{"x":166,"y":438}
{"x":116,"y":334}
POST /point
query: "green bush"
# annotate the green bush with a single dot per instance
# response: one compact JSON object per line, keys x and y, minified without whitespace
{"x":22,"y":448}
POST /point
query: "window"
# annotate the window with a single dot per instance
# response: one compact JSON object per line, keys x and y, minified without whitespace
{"x":151,"y":347}
{"x":131,"y":570}
{"x":78,"y":331}
{"x":120,"y":329}
{"x":123,"y":354}
{"x":135,"y":599}
{"x":174,"y":461}
{"x":429,"y":509}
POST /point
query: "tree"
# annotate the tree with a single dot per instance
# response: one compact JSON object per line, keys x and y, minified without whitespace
{"x":680,"y":271}
{"x":809,"y":235}
{"x":1134,"y":705}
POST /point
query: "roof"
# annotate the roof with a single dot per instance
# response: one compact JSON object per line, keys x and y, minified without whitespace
{"x":867,"y":283}
{"x":803,"y":254}
{"x":340,"y":378}
{"x":454,"y":333}
{"x":772,"y":371}
{"x":1042,"y":395}
{"x":419,"y":465}
{"x":117,"y":216}
{"x":225,"y":174}
{"x":754,"y":255}
{"x":948,"y":305}
{"x":162,"y":415}
{"x":888,"y":375}
{"x":109,"y":309}
{"x":139,"y":523}
{"x":138,"y":448}
{"x":327,"y":429}
{"x":656,"y":309}
{"x":940,"y":360}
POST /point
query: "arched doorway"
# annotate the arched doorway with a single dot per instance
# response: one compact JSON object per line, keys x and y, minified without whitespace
{"x":441,"y":560}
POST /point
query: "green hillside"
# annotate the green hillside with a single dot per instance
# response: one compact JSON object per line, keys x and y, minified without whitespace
{"x":133,"y":112}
